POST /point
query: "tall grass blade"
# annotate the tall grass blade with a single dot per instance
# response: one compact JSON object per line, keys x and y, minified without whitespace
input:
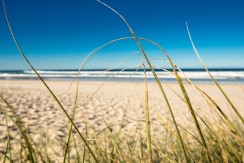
{"x":73,"y":117}
{"x":233,"y":129}
{"x":217,"y":84}
{"x":229,"y":123}
{"x":185,"y":95}
{"x":149,"y":146}
{"x":154,"y":74}
{"x":40,"y":78}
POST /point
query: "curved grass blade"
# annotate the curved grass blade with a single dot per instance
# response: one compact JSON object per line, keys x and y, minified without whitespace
{"x":217,"y":84}
{"x":154,"y":73}
{"x":232,"y":127}
{"x":215,"y":134}
{"x":177,"y":76}
{"x":44,"y":83}
{"x":229,"y":123}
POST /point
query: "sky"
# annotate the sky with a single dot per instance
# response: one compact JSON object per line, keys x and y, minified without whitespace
{"x":59,"y":34}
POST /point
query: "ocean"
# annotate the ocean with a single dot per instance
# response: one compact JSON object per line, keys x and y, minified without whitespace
{"x":228,"y":75}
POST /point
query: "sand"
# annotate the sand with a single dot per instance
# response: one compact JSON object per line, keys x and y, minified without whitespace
{"x":117,"y":105}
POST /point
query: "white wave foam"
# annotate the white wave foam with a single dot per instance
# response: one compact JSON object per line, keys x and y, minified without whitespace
{"x":124,"y":74}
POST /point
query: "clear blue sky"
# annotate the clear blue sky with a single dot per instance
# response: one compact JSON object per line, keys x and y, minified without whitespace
{"x":58,"y":34}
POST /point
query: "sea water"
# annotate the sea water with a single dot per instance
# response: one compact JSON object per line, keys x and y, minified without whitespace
{"x":227,"y":75}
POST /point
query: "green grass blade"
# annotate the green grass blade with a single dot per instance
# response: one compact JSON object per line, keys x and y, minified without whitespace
{"x":148,"y":132}
{"x":44,"y":83}
{"x":217,"y":84}
{"x":154,"y":74}
{"x":71,"y":126}
{"x":19,"y":125}
{"x":232,"y":128}
{"x":184,"y":93}
{"x":219,"y":141}
{"x":8,"y":141}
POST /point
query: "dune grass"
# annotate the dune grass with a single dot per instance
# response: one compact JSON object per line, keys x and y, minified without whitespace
{"x":215,"y":141}
{"x":215,"y":82}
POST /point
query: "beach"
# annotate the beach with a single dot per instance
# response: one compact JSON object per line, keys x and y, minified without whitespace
{"x":116,"y":106}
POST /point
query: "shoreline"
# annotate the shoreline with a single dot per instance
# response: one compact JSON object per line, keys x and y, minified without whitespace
{"x":123,"y":80}
{"x":198,"y":76}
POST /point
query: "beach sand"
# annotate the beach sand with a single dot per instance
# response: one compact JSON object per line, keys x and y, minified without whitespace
{"x":115,"y":107}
